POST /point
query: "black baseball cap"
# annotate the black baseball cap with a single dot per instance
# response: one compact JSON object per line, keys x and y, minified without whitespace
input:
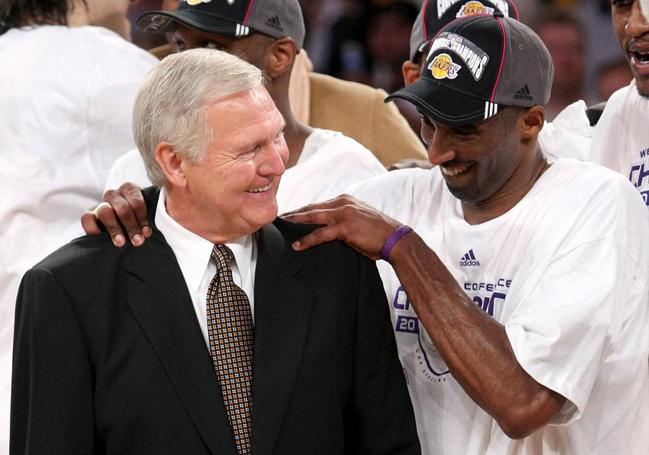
{"x":435,"y":14}
{"x":475,"y":64}
{"x":276,"y":18}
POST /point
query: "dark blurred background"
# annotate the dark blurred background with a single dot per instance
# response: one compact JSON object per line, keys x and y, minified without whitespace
{"x":367,"y":40}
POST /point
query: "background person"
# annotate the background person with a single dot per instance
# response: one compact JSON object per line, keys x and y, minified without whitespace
{"x":621,"y":139}
{"x":65,"y":116}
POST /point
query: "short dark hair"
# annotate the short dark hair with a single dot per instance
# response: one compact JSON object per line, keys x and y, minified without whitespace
{"x":18,"y":13}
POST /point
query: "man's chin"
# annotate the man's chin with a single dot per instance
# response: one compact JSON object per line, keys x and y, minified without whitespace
{"x":643,"y":92}
{"x":466,"y":194}
{"x":642,"y":86}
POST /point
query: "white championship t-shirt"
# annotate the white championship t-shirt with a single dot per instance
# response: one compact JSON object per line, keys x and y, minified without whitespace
{"x":329,"y":163}
{"x":65,"y":116}
{"x":621,"y":138}
{"x":565,"y":271}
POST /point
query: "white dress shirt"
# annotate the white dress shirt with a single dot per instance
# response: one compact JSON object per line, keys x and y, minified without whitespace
{"x":193,"y":255}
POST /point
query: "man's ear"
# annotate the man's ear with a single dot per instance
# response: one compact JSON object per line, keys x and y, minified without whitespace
{"x":531,"y":122}
{"x":171,"y":164}
{"x":280,"y":57}
{"x":410,"y":71}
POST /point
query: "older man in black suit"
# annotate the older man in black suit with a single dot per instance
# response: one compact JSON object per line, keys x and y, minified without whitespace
{"x":215,"y":337}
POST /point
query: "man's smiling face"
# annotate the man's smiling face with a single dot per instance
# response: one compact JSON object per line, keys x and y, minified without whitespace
{"x":632,"y":30}
{"x":476,"y":160}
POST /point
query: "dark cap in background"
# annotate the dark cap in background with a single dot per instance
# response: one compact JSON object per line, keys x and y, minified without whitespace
{"x":476,"y":64}
{"x":276,"y":18}
{"x":435,"y":14}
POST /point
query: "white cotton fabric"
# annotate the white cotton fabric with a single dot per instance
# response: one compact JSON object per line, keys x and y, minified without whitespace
{"x":566,"y":272}
{"x":65,"y":116}
{"x":569,"y":135}
{"x":328,"y":164}
{"x":193,"y":254}
{"x":621,"y":138}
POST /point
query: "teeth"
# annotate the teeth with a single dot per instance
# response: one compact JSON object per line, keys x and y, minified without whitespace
{"x":261,"y":189}
{"x":640,"y":57}
{"x":451,"y":171}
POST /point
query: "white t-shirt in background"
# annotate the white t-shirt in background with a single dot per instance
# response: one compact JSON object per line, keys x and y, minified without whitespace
{"x":566,"y":272}
{"x":328,"y":164}
{"x":65,"y":116}
{"x":621,"y":138}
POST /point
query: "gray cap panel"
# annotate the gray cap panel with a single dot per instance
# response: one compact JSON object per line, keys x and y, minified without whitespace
{"x":528,"y":72}
{"x":278,"y":18}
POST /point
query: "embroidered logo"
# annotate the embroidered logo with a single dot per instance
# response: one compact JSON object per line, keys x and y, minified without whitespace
{"x":473,"y":7}
{"x":445,"y":5}
{"x":469,"y":260}
{"x":198,"y":2}
{"x":273,"y":22}
{"x":523,"y":94}
{"x":443,"y":67}
{"x":473,"y":56}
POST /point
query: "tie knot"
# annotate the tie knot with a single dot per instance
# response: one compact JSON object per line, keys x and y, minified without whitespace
{"x":222,"y":257}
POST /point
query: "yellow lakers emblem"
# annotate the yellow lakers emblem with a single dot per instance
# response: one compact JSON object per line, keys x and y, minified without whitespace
{"x":474,"y":7}
{"x":196,"y":2}
{"x":443,"y":67}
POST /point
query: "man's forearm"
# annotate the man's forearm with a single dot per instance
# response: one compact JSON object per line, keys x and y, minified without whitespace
{"x":474,"y":346}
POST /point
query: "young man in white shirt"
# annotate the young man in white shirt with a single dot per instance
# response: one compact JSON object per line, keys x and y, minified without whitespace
{"x":520,"y":301}
{"x":65,"y":116}
{"x":621,"y":138}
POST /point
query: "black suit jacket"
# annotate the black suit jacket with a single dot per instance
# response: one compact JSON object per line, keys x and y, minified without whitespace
{"x":109,"y":357}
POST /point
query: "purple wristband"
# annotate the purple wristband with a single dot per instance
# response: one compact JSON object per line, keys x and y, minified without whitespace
{"x":393,"y":239}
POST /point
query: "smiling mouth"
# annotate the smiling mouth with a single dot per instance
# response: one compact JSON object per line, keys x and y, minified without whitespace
{"x":639,"y":52}
{"x":640,"y":58}
{"x":452,"y":171}
{"x":261,"y":189}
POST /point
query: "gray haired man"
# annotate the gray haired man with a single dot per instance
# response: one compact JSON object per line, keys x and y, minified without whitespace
{"x":214,"y":337}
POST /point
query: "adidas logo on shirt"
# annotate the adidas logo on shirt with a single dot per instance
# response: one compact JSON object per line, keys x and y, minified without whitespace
{"x":523,"y":94}
{"x":469,"y":260}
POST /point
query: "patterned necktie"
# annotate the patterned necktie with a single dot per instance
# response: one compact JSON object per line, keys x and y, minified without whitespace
{"x":230,"y":329}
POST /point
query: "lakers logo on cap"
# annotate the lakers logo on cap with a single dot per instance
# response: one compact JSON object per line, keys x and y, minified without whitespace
{"x":198,"y":2}
{"x":474,"y":7}
{"x":443,"y":67}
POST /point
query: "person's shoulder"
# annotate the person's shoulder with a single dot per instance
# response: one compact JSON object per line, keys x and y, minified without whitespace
{"x":341,"y":147}
{"x":620,"y":103}
{"x":621,"y":95}
{"x":594,"y":184}
{"x":90,"y":254}
{"x":107,"y":46}
{"x":401,"y":181}
{"x":337,"y":141}
{"x":580,"y":171}
{"x":404,"y":193}
{"x":291,"y":231}
{"x":325,"y":83}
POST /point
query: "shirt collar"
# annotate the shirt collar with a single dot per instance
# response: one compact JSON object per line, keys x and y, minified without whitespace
{"x":193,"y":251}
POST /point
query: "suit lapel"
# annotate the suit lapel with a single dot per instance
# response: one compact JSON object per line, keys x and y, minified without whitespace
{"x":282,"y":309}
{"x":159,"y":299}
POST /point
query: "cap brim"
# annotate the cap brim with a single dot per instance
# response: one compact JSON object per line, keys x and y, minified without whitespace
{"x":165,"y":21}
{"x":443,"y":104}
